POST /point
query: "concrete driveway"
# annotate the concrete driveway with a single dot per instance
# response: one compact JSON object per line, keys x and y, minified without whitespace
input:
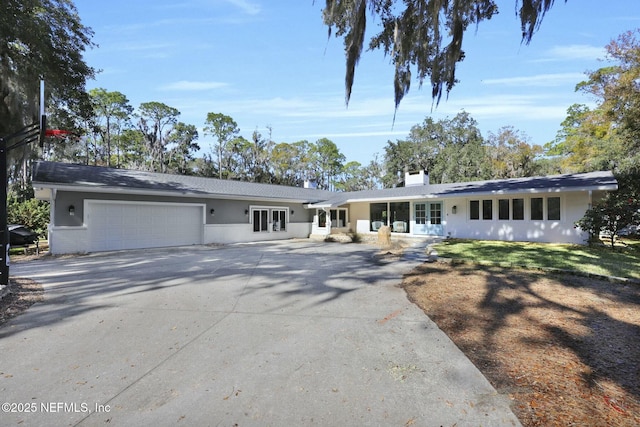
{"x":283,"y":334}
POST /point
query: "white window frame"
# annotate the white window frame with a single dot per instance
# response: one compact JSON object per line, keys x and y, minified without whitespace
{"x":271,"y":225}
{"x":337,"y":211}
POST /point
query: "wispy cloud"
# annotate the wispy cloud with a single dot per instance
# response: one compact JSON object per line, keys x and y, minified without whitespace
{"x":191,"y":85}
{"x":573,"y":52}
{"x":248,"y":7}
{"x":540,"y":80}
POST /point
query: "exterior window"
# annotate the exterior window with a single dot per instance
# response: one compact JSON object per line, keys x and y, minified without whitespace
{"x":266,"y":219}
{"x":421,"y":213}
{"x":435,"y":212}
{"x":487,"y":209}
{"x":503,"y":209}
{"x":338,"y":218}
{"x":322,"y":219}
{"x":536,"y":209}
{"x":474,"y":209}
{"x":553,"y":208}
{"x":518,"y":209}
{"x":377,"y":215}
{"x":260,"y":220}
{"x":279,"y":219}
{"x":399,"y":217}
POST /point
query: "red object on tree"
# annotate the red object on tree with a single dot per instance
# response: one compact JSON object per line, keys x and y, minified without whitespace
{"x":57,"y":132}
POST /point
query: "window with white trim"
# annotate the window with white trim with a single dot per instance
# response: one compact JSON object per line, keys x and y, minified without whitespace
{"x":260,"y":220}
{"x":553,"y":208}
{"x":279,"y":217}
{"x":338,"y":218}
{"x":266,"y":219}
{"x":421,"y":213}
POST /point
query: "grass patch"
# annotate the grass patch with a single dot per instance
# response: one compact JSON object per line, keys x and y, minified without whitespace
{"x":623,"y":261}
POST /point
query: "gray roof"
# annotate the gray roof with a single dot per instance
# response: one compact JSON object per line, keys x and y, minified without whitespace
{"x":603,"y":180}
{"x":96,"y":178}
{"x":51,"y":174}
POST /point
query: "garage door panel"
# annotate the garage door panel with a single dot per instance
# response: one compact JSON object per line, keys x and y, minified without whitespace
{"x":122,"y":225}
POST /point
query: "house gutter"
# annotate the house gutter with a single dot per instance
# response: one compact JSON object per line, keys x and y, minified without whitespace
{"x":38,"y":186}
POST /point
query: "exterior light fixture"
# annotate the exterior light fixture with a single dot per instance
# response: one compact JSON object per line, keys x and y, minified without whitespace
{"x":454,"y":209}
{"x":292,"y":212}
{"x":212,"y":211}
{"x":246,"y":212}
{"x":72,"y":210}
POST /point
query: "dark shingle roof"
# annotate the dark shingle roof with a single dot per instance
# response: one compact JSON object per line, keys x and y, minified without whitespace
{"x":105,"y":179}
{"x":582,"y":181}
{"x":102,"y":179}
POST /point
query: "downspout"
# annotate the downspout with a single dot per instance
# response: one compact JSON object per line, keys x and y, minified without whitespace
{"x":52,"y":210}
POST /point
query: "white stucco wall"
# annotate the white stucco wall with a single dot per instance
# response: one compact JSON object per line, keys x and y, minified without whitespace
{"x":572,"y":208}
{"x":68,"y":240}
{"x":573,"y":205}
{"x":240,"y":233}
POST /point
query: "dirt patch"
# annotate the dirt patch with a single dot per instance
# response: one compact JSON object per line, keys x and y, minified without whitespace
{"x":565,"y":349}
{"x":22,"y":294}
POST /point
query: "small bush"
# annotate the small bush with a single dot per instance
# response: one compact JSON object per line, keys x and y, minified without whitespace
{"x":32,"y":213}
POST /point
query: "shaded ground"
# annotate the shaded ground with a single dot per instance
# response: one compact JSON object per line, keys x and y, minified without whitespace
{"x":23,"y":293}
{"x":566,"y":349}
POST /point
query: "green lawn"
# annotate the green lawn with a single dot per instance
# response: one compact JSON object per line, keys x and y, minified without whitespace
{"x":624,"y":261}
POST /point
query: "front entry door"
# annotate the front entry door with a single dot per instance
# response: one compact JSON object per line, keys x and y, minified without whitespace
{"x":428,"y":218}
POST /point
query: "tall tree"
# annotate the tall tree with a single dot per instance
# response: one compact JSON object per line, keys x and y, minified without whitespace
{"x":328,"y":161}
{"x":422,"y":37}
{"x":156,"y":121}
{"x":262,"y":148}
{"x":511,"y":154}
{"x":450,"y":150}
{"x":131,"y":149}
{"x":283,"y":162}
{"x":463,"y":156}
{"x":587,"y":140}
{"x":240,"y":155}
{"x":617,"y":87}
{"x":111,"y":110}
{"x":224,"y":129}
{"x":183,"y":141}
{"x":41,"y":39}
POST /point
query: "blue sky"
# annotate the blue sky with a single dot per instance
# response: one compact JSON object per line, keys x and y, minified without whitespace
{"x":270,"y":64}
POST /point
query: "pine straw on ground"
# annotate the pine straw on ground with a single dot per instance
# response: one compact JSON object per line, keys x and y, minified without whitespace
{"x":22,"y":294}
{"x":565,"y":349}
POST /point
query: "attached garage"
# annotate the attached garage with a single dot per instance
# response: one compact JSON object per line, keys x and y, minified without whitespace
{"x":116,"y":225}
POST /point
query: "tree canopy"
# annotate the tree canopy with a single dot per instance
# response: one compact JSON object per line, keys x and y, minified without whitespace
{"x":41,"y":39}
{"x":423,"y":38}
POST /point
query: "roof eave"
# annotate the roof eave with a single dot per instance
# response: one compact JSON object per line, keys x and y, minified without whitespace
{"x":172,"y":193}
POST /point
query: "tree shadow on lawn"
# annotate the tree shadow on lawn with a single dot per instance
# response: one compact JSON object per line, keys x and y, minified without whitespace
{"x":620,"y":262}
{"x":552,"y":319}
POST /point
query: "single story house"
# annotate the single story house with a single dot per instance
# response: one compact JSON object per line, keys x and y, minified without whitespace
{"x":101,"y":209}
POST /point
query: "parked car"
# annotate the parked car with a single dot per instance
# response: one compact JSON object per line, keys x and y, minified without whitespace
{"x":630,"y":231}
{"x":19,"y":235}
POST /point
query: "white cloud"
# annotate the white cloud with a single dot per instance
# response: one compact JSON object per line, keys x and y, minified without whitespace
{"x":540,"y":80}
{"x":248,"y":7}
{"x":574,"y":52}
{"x":190,"y":85}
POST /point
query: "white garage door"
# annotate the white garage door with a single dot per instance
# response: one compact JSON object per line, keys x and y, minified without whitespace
{"x":116,"y":225}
